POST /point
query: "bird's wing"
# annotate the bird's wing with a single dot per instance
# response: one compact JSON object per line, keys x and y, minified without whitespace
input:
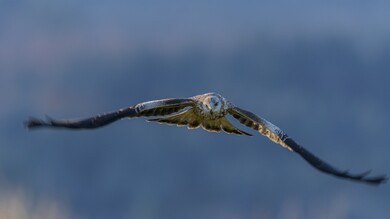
{"x":261,"y":125}
{"x":150,"y":108}
{"x":278,"y":136}
{"x":192,"y":120}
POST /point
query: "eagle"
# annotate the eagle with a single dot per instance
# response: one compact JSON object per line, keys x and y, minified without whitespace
{"x":208,"y":111}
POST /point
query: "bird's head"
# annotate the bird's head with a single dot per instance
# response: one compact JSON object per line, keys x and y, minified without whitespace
{"x":213,"y":104}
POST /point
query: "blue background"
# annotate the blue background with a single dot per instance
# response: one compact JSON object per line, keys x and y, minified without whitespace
{"x":320,"y":70}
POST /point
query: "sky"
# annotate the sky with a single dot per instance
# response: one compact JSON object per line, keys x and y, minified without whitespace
{"x":319,"y":70}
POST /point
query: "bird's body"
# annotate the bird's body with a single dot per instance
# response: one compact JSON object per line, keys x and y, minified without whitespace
{"x":208,"y":111}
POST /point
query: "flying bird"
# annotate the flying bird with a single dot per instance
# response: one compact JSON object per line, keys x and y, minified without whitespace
{"x":208,"y":111}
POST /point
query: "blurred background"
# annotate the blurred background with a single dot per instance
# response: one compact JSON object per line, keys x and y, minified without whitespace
{"x":320,"y":70}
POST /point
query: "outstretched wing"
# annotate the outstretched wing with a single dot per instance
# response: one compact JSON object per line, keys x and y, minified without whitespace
{"x":150,"y":108}
{"x":259,"y":124}
{"x":276,"y":134}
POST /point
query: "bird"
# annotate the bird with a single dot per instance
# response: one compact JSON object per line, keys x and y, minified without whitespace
{"x":208,"y":111}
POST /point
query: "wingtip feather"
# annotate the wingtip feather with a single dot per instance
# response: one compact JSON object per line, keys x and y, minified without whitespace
{"x":33,"y":122}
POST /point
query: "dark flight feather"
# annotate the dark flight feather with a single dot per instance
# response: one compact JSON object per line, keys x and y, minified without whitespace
{"x":278,"y":136}
{"x":150,"y":108}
